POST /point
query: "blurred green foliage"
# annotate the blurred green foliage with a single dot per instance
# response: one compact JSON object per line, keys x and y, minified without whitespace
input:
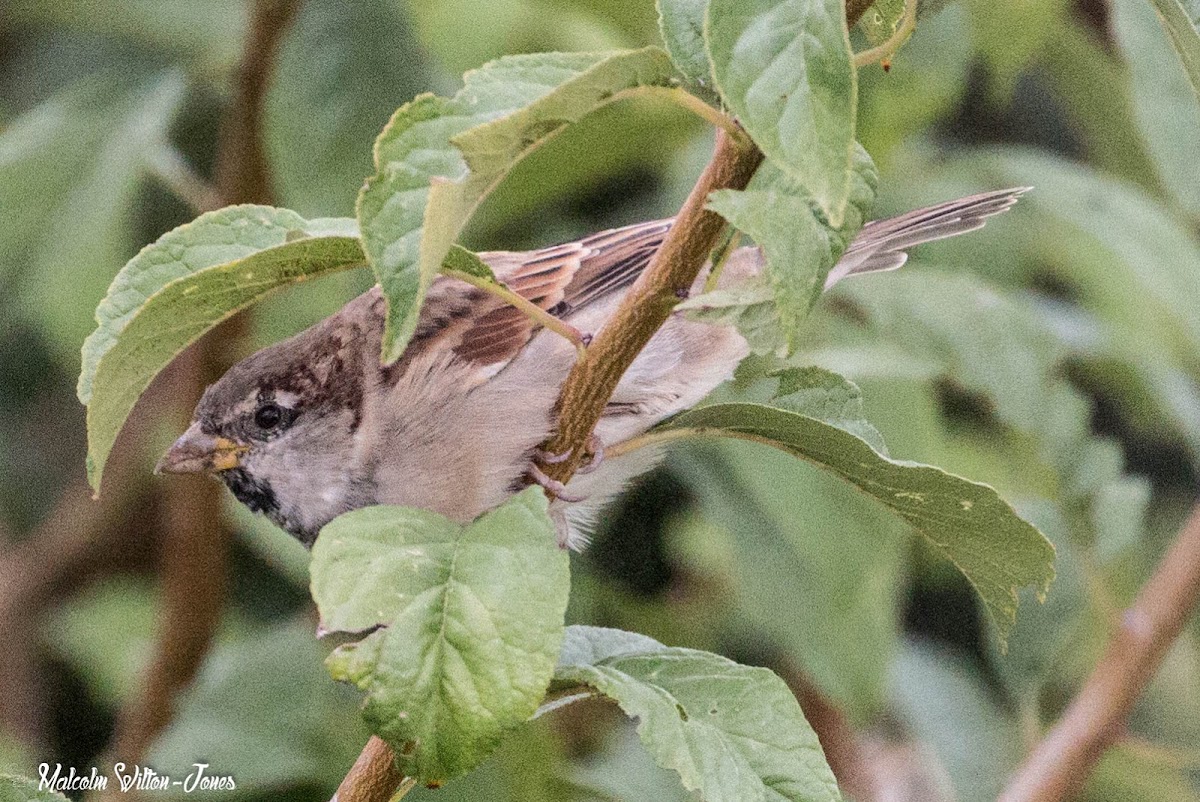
{"x":1052,"y":355}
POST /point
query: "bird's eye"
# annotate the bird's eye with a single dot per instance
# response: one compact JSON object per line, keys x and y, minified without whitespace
{"x":268,"y":416}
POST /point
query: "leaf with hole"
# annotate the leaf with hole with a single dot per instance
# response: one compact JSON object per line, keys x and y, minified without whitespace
{"x":966,"y":522}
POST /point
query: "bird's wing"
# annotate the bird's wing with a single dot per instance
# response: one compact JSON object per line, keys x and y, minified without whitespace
{"x":482,"y":329}
{"x":485,"y":331}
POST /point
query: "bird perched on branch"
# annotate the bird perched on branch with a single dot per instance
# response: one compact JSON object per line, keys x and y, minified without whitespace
{"x":315,"y":426}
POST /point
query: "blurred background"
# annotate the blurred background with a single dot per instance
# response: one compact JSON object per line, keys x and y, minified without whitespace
{"x":1055,"y":355}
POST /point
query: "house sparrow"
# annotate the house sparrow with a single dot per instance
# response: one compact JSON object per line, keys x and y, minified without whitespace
{"x":315,"y":426}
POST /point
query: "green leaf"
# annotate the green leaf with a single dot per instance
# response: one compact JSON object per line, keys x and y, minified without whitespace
{"x":1164,"y":97}
{"x":126,"y":611}
{"x":681,"y":23}
{"x":1120,"y":253}
{"x":784,"y":69}
{"x":464,"y":261}
{"x":966,"y":522}
{"x":1006,"y":50}
{"x":438,"y":158}
{"x":1047,"y":633}
{"x":731,"y":732}
{"x":880,"y":22}
{"x":342,"y":70}
{"x":1181,"y":21}
{"x":471,"y":617}
{"x":805,"y":542}
{"x":798,"y":245}
{"x":989,"y":343}
{"x":282,"y":743}
{"x":181,"y":286}
{"x":750,"y":306}
{"x":1127,"y":772}
{"x":19,"y":789}
{"x":70,"y":170}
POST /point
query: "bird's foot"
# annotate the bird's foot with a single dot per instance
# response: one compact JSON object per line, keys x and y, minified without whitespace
{"x":557,"y":488}
{"x":593,"y":455}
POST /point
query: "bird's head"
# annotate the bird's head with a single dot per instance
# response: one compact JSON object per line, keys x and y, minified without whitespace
{"x":280,"y":429}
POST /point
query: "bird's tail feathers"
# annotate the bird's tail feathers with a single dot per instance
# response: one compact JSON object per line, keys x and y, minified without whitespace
{"x":881,"y":244}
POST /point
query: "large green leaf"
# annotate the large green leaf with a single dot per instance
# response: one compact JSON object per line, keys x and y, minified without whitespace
{"x":341,"y":72}
{"x":681,"y":23}
{"x":733,"y":733}
{"x":784,"y":69}
{"x":799,"y":245}
{"x":438,"y":158}
{"x":184,"y":284}
{"x":806,"y":542}
{"x":966,"y":522}
{"x":471,"y":623}
{"x":70,"y":170}
{"x":1119,"y":252}
{"x":1006,"y":50}
{"x":1165,"y":98}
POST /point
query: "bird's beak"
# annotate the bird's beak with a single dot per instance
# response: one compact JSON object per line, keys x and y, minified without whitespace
{"x":197,"y":452}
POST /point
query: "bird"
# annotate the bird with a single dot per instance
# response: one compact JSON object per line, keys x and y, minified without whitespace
{"x":315,"y":426}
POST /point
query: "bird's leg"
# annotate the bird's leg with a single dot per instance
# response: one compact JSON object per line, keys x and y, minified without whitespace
{"x":553,"y":485}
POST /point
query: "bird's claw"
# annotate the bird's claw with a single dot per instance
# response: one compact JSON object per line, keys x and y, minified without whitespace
{"x":593,"y":455}
{"x":557,"y":488}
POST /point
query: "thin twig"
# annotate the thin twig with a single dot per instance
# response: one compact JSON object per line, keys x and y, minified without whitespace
{"x":844,"y":751}
{"x":1059,"y":765}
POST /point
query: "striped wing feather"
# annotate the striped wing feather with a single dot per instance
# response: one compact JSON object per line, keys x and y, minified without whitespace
{"x":561,"y":279}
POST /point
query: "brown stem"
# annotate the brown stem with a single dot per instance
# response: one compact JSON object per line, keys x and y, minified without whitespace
{"x":194,"y":549}
{"x":1059,"y":765}
{"x":243,"y":174}
{"x":844,"y":751}
{"x":646,"y":306}
{"x":374,"y":776}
